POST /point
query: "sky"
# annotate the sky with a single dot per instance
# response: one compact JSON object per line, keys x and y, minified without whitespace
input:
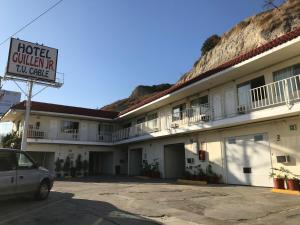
{"x":108,"y":47}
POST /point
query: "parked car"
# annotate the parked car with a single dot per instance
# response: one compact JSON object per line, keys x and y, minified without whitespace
{"x":20,"y":174}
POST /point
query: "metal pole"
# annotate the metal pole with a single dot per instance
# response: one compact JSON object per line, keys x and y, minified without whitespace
{"x":27,"y":114}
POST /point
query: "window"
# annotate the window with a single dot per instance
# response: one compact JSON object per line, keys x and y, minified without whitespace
{"x":6,"y":161}
{"x":70,"y":126}
{"x":231,"y":141}
{"x":199,"y":105}
{"x":104,"y":128}
{"x":140,"y":120}
{"x":19,"y":125}
{"x":256,"y":95}
{"x":24,"y":162}
{"x":293,"y":85}
{"x":258,"y":137}
{"x":37,"y":125}
{"x":152,"y":116}
{"x":178,"y":112}
{"x":127,"y":125}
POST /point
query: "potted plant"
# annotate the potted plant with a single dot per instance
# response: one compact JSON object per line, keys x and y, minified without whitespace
{"x":78,"y":166}
{"x":278,"y":180}
{"x":85,"y":167}
{"x":212,"y":177}
{"x":67,"y":166}
{"x":293,"y":184}
{"x":73,"y":169}
{"x":58,"y":167}
{"x":155,"y":169}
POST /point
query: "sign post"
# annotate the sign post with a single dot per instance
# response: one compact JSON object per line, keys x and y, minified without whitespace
{"x":27,"y":115}
{"x":31,"y":63}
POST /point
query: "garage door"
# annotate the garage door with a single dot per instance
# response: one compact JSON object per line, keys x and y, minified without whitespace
{"x":248,"y":160}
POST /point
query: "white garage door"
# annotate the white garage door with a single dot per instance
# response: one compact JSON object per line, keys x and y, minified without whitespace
{"x":248,"y":160}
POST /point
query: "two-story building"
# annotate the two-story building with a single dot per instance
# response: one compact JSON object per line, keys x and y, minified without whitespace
{"x":243,"y":114}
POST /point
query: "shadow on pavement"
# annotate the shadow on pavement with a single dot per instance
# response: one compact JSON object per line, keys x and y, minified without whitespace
{"x":63,"y":209}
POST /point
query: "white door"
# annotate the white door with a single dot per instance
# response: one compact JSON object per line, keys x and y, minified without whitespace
{"x":230,"y":107}
{"x":248,"y":160}
{"x":217,"y":106}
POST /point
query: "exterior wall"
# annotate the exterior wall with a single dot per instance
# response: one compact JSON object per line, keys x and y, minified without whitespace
{"x":227,"y":93}
{"x":282,"y":141}
{"x":62,"y":151}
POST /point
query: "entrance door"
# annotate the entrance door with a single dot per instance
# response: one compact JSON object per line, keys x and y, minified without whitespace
{"x":135,"y":161}
{"x":101,"y":163}
{"x":248,"y":160}
{"x":174,"y":160}
{"x":217,"y":106}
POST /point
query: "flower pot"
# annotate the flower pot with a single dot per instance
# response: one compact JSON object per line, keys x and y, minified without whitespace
{"x":293,"y":184}
{"x":278,"y":183}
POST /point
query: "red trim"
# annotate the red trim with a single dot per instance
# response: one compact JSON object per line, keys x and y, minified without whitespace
{"x":47,"y":107}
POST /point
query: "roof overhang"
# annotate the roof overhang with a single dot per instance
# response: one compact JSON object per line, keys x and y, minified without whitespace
{"x":264,"y":60}
{"x":13,"y":114}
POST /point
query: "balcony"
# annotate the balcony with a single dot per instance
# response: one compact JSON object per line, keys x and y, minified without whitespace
{"x":37,"y":134}
{"x":68,"y":135}
{"x":286,"y":91}
{"x":283,"y":92}
{"x":137,"y":130}
{"x":183,"y":118}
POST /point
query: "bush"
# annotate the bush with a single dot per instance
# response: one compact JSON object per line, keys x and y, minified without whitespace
{"x":11,"y":140}
{"x":210,"y":43}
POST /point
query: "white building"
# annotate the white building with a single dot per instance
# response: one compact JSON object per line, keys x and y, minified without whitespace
{"x":244,"y":115}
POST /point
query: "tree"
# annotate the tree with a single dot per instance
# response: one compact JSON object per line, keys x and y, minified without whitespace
{"x":210,"y":43}
{"x":11,"y":140}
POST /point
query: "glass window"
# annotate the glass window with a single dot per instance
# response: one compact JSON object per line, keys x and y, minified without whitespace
{"x":258,"y":137}
{"x":6,"y":161}
{"x":24,"y":162}
{"x":152,"y":116}
{"x":231,"y":141}
{"x":70,"y":126}
{"x":37,"y":125}
{"x":140,"y":120}
{"x":256,"y":94}
{"x":178,"y":112}
{"x":293,"y":84}
{"x":199,"y":105}
{"x":104,"y":128}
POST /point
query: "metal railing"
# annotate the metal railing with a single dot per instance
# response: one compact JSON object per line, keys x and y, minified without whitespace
{"x":70,"y":134}
{"x":279,"y":92}
{"x":189,"y":116}
{"x":37,"y":134}
{"x":137,"y":130}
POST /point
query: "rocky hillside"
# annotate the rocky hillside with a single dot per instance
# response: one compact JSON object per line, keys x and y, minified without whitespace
{"x":248,"y":34}
{"x":139,"y":93}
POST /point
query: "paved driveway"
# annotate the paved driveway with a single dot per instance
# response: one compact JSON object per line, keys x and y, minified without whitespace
{"x":107,"y":201}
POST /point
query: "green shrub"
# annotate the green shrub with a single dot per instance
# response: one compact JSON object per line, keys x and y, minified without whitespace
{"x":210,"y":43}
{"x":11,"y":140}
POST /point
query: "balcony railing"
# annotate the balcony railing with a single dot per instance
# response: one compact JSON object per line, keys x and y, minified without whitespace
{"x":70,"y":135}
{"x":137,"y":130}
{"x":37,"y":134}
{"x":183,"y":118}
{"x":279,"y":92}
{"x":285,"y":91}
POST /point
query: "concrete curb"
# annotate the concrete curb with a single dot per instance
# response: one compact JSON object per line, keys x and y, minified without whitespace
{"x":288,"y":192}
{"x":192,"y":182}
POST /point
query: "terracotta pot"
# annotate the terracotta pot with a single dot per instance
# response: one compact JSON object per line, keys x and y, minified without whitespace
{"x":278,"y":183}
{"x":293,"y":184}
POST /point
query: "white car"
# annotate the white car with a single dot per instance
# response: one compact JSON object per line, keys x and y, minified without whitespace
{"x":20,"y":174}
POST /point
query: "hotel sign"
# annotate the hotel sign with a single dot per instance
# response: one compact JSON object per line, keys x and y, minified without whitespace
{"x":31,"y":61}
